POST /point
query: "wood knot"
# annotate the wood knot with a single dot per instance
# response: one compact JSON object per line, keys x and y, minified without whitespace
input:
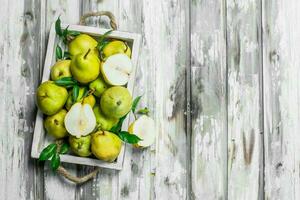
{"x":274,"y":57}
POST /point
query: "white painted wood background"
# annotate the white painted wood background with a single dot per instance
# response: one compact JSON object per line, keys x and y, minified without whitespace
{"x":221,"y":78}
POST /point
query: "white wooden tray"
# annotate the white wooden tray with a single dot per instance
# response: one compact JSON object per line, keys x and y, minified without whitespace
{"x":40,"y":138}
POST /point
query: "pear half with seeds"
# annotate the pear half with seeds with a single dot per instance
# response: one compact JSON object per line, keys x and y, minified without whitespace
{"x":80,"y":120}
{"x":116,"y":69}
{"x":144,"y":128}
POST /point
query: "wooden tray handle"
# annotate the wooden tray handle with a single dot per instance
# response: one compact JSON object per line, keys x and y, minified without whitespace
{"x":78,"y":180}
{"x":112,"y":18}
{"x":65,"y":173}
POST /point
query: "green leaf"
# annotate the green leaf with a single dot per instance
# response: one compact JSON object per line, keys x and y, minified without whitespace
{"x":144,"y":111}
{"x":135,"y":103}
{"x":55,"y":162}
{"x":66,"y":82}
{"x":65,"y":40}
{"x":74,"y":33}
{"x":65,"y":32}
{"x":102,"y":45}
{"x":103,"y":40}
{"x":67,"y":55}
{"x":58,"y":52}
{"x":58,"y":27}
{"x":75,"y":93}
{"x":85,"y":93}
{"x":117,"y":128}
{"x":128,"y":137}
{"x":64,"y":148}
{"x":102,"y":37}
{"x":47,"y":152}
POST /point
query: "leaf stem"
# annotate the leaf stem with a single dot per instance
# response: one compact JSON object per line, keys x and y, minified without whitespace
{"x":135,"y":117}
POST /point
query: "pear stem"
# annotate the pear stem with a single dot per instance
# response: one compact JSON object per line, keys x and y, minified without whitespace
{"x":87,"y":53}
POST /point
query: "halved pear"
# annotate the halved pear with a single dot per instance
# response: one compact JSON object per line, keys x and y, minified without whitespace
{"x":80,"y":120}
{"x":116,"y":69}
{"x":144,"y":128}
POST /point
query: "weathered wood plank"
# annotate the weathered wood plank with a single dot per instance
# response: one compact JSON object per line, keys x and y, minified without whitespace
{"x":19,"y":59}
{"x":136,"y":179}
{"x":209,"y":100}
{"x":55,"y":186}
{"x":244,"y":107}
{"x":166,"y":39}
{"x":281,"y":39}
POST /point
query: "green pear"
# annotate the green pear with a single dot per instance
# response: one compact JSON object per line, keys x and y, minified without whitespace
{"x":104,"y":123}
{"x":90,"y":99}
{"x":99,"y":86}
{"x":55,"y":126}
{"x":60,"y":70}
{"x":81,"y":146}
{"x":115,"y":47}
{"x":106,"y":145}
{"x":116,"y":102}
{"x":85,"y":67}
{"x":81,"y":44}
{"x":51,"y":97}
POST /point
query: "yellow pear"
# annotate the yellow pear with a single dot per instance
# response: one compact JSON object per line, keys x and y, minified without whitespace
{"x":116,"y":102}
{"x":99,"y":86}
{"x":106,"y":145}
{"x":104,"y":122}
{"x":85,"y":67}
{"x":51,"y":97}
{"x":81,"y":44}
{"x":55,"y":126}
{"x":60,"y":70}
{"x":115,"y":47}
{"x":81,"y":146}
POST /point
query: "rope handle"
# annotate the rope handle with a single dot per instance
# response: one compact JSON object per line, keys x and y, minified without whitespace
{"x":65,"y":173}
{"x":111,"y":17}
{"x":75,"y":179}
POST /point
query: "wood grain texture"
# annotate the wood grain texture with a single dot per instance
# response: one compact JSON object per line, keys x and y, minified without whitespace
{"x":136,"y":179}
{"x":209,"y":113}
{"x":19,"y":72}
{"x":281,"y":39}
{"x":166,"y":40}
{"x":245,"y":71}
{"x":245,"y":146}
